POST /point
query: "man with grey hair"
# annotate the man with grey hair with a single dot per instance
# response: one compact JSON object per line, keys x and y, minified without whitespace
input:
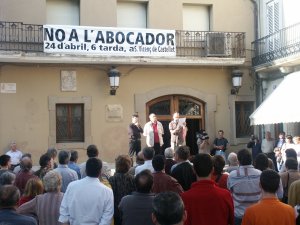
{"x":7,"y":178}
{"x":9,"y":198}
{"x":169,"y":155}
{"x":46,"y":206}
{"x":176,"y":131}
{"x":15,"y":155}
{"x":153,"y":131}
{"x":233,"y":162}
{"x":68,"y":175}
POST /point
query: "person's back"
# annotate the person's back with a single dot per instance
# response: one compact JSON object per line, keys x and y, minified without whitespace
{"x":148,"y":154}
{"x":243,"y":184}
{"x":9,"y":197}
{"x":292,"y":174}
{"x":163,"y":182}
{"x":136,"y":208}
{"x":46,"y":206}
{"x":25,"y":174}
{"x":269,"y":210}
{"x":87,"y":201}
{"x":66,"y":173}
{"x":91,"y":151}
{"x":122,"y":183}
{"x":73,"y":163}
{"x":168,"y":209}
{"x":206,"y":203}
{"x":183,"y":170}
{"x":293,"y":195}
{"x":169,"y":155}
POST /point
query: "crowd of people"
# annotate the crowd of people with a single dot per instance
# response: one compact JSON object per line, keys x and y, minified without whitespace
{"x":170,"y":187}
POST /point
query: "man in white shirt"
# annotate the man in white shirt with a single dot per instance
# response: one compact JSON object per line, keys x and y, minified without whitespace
{"x":88,"y":201}
{"x":148,"y":154}
{"x":267,"y":146}
{"x":153,"y":131}
{"x":15,"y":155}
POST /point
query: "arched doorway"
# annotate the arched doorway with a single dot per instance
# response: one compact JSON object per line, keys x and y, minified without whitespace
{"x":189,"y":107}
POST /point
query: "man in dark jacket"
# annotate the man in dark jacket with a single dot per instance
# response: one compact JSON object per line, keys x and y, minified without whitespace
{"x":182,"y":171}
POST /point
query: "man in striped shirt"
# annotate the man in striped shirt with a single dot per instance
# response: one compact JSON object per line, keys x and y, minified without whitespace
{"x":243,"y":184}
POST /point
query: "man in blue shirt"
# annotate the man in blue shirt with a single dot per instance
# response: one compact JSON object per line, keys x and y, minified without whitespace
{"x":73,"y":163}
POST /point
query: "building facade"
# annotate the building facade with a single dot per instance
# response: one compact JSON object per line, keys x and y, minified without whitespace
{"x":277,"y":54}
{"x":63,"y":100}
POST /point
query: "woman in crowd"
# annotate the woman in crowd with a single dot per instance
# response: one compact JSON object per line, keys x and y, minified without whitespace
{"x":218,"y":176}
{"x":287,"y":145}
{"x":296,"y":140}
{"x":45,"y":163}
{"x":46,"y":206}
{"x":34,"y":187}
{"x":52,"y":152}
{"x":289,"y":153}
{"x":122,"y":184}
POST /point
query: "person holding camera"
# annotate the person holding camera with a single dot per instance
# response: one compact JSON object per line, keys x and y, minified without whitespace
{"x":255,"y":146}
{"x":203,"y":142}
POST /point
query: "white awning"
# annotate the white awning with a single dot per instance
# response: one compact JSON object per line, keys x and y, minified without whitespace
{"x":282,"y":105}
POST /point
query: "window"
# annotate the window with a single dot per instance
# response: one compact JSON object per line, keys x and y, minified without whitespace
{"x":69,"y":123}
{"x":63,"y":12}
{"x":242,"y":112}
{"x":132,"y":14}
{"x":196,"y":17}
{"x":273,"y":13}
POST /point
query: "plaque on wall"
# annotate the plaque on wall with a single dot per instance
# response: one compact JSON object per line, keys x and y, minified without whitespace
{"x":114,"y":113}
{"x":8,"y":88}
{"x":68,"y":80}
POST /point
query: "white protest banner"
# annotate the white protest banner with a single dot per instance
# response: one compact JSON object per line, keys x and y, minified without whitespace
{"x":109,"y":41}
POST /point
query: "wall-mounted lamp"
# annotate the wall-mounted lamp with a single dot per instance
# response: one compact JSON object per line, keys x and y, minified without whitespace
{"x":114,"y":79}
{"x":237,"y":77}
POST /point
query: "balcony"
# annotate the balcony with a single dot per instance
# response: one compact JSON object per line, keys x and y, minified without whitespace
{"x":24,"y":43}
{"x":281,"y":48}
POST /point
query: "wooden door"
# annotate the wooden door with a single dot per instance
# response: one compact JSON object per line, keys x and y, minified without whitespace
{"x":190,"y":108}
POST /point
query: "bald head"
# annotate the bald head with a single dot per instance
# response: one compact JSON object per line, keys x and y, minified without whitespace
{"x":26,"y":164}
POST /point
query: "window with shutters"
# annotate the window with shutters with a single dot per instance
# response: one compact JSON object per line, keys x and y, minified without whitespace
{"x":274,"y":23}
{"x":69,"y":123}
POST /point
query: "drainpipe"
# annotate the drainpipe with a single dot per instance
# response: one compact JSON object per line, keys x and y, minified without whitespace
{"x":258,"y":86}
{"x":255,"y":12}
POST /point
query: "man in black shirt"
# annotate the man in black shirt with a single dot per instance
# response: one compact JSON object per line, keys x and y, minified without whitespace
{"x":134,"y":132}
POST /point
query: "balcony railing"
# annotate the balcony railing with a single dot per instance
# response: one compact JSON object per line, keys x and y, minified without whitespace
{"x":16,"y":36}
{"x":281,"y":44}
